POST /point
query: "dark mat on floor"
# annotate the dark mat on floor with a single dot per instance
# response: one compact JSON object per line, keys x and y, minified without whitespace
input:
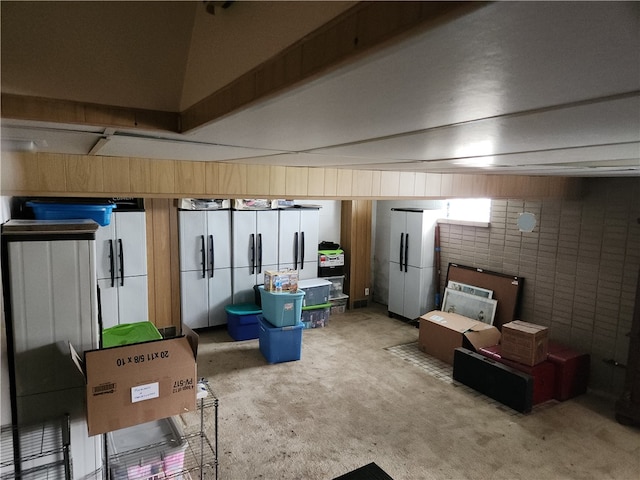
{"x":368,"y":472}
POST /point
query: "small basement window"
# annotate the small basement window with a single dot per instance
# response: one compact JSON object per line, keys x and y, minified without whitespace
{"x":468,"y":211}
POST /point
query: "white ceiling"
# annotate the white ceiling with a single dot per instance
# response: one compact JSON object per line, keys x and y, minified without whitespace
{"x":540,"y":88}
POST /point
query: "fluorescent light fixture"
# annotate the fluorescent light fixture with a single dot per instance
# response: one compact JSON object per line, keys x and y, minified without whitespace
{"x":13,"y":145}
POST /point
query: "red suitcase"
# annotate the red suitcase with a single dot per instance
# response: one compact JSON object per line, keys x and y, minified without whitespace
{"x":572,"y":370}
{"x":543,"y":373}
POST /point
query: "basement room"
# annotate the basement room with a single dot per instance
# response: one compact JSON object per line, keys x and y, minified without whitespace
{"x":320,"y":240}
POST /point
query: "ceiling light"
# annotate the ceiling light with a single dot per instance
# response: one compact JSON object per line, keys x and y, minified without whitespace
{"x":13,"y":145}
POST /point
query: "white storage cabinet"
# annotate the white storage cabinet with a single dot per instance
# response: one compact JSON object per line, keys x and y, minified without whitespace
{"x":121,"y":249}
{"x":254,"y":250}
{"x":411,"y":262}
{"x":205,"y":266}
{"x":50,"y":300}
{"x":298,"y":241}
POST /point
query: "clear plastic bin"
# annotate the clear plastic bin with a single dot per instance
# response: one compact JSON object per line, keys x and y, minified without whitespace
{"x":147,"y":451}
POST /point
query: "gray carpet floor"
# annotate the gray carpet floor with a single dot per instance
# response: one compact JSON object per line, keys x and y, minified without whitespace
{"x":362,"y":392}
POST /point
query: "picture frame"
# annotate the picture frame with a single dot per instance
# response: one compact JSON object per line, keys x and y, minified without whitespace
{"x":472,"y":289}
{"x":469,"y":305}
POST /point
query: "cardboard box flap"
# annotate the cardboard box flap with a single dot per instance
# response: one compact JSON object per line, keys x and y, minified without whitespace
{"x":192,"y":338}
{"x":77,"y":360}
{"x":452,"y":321}
{"x":482,"y":335}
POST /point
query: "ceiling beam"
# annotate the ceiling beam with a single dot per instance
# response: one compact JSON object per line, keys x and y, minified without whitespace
{"x":22,"y":107}
{"x":359,"y":30}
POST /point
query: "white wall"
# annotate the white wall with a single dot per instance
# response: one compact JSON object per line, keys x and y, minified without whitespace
{"x":381,"y":239}
{"x":329,"y":218}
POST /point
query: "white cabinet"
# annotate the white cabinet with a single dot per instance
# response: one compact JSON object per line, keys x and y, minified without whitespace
{"x":121,"y":249}
{"x":205,"y":266}
{"x":50,"y":300}
{"x":255,"y":249}
{"x":298,"y":241}
{"x":411,"y":262}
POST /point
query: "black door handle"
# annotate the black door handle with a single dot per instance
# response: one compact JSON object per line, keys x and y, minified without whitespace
{"x":401,"y":249}
{"x":211,"y":254}
{"x":259,"y":253}
{"x":406,"y":252}
{"x":302,"y":251}
{"x":121,"y":262}
{"x":203,"y":260}
{"x":295,"y":251}
{"x":252,"y":246}
{"x":112,"y":267}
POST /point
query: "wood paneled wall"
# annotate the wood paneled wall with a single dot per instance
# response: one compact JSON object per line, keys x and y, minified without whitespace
{"x":355,"y":239}
{"x":84,"y":175}
{"x":163,"y":262}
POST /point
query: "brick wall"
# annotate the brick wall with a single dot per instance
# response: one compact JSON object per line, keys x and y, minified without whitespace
{"x":580,"y":266}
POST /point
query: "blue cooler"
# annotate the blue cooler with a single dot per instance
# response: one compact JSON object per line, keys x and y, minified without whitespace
{"x":280,"y":344}
{"x":242,"y":321}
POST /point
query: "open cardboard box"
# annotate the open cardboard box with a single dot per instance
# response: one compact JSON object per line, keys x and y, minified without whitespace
{"x":139,"y":383}
{"x":442,"y":332}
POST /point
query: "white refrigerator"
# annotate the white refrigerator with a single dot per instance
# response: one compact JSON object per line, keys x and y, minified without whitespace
{"x":121,"y":249}
{"x":411,"y":262}
{"x":205,"y":267}
{"x":254,"y":250}
{"x":298,"y":244}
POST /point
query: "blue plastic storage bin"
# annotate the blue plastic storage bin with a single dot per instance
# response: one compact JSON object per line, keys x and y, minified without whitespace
{"x":100,"y":213}
{"x":242,"y":321}
{"x":280,"y":344}
{"x":281,"y":309}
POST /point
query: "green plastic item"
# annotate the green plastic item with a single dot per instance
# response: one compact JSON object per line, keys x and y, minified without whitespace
{"x":331,"y":252}
{"x":243,"y":309}
{"x":129,"y":333}
{"x":317,"y":307}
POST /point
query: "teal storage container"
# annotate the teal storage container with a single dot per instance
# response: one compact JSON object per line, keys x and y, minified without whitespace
{"x":281,"y":309}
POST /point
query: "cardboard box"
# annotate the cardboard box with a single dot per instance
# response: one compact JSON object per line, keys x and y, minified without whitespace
{"x":442,"y":332}
{"x":288,"y":280}
{"x":524,"y":342}
{"x":139,"y":383}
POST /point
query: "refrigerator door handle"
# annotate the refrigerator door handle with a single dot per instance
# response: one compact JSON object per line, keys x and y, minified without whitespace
{"x":121,"y":262}
{"x":401,"y":250}
{"x":211,"y":262}
{"x":203,"y":260}
{"x":295,"y":251}
{"x":259,"y":253}
{"x":406,"y":252}
{"x":112,"y":266}
{"x":252,"y":246}
{"x":301,"y":250}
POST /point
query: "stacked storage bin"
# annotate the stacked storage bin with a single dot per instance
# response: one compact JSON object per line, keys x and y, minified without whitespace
{"x":337,"y":297}
{"x":242,"y":321}
{"x":280,"y":328}
{"x":315,"y":307}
